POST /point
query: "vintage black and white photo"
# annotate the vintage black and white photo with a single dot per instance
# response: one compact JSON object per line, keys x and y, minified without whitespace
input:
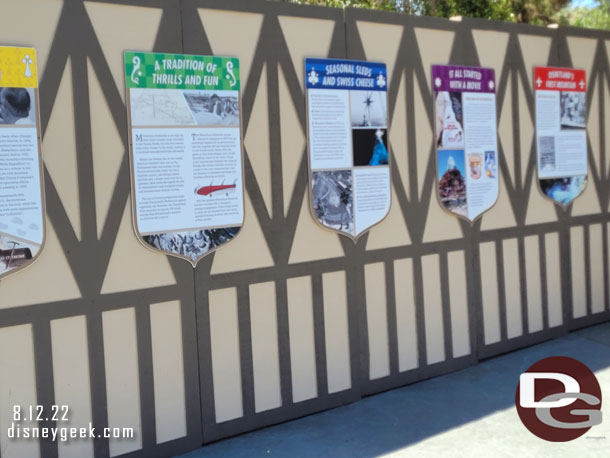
{"x":368,"y":109}
{"x":214,"y":108}
{"x":15,"y":253}
{"x":193,"y":244}
{"x":17,"y":106}
{"x":333,"y":199}
{"x":546,"y":150}
{"x":573,"y":111}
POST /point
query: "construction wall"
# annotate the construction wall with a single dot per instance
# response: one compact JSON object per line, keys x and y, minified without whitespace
{"x":288,"y":319}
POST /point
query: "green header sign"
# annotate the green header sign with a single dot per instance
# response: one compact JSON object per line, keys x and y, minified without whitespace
{"x":180,"y":71}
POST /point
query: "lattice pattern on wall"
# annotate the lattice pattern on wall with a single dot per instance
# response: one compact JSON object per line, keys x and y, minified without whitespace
{"x":98,"y":322}
{"x":525,"y":283}
{"x":276,"y":338}
{"x":288,"y":319}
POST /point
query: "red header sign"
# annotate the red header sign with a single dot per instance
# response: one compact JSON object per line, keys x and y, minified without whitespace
{"x":559,"y":79}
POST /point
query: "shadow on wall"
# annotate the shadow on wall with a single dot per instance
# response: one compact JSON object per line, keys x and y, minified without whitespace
{"x":400,"y":418}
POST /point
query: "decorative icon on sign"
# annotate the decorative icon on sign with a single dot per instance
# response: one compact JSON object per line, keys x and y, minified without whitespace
{"x":230,"y":75}
{"x":313,"y":77}
{"x":136,"y":70}
{"x":381,"y":80}
{"x":27,"y":61}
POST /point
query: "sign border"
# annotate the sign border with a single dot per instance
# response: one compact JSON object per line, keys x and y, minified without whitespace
{"x":564,"y":207}
{"x":41,"y":169}
{"x":435,"y":149}
{"x":134,"y":216}
{"x":353,"y":238}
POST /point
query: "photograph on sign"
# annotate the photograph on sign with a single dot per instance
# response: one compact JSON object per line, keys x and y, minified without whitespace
{"x":465,"y":139}
{"x":185,"y":151}
{"x":349,"y":162}
{"x":561,"y":135}
{"x":22,"y":214}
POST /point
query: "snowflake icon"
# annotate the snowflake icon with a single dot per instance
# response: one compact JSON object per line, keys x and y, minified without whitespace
{"x":491,"y":85}
{"x":437,"y":82}
{"x":313,"y":77}
{"x":381,"y":80}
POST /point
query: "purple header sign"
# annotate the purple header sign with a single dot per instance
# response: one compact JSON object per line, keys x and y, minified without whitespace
{"x":454,"y":78}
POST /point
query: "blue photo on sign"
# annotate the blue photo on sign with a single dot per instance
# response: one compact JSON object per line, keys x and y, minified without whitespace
{"x":565,"y":189}
{"x":345,"y":74}
{"x":369,"y":147}
{"x":451,"y":167}
{"x":450,"y":159}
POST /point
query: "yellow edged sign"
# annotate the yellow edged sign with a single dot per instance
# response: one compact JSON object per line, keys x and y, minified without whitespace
{"x":18,"y":67}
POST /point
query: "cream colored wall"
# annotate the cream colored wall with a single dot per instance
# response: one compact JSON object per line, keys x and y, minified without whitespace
{"x":535,"y":51}
{"x":381,"y":43}
{"x":168,"y":370}
{"x":582,"y":51}
{"x":220,"y":26}
{"x":17,"y":370}
{"x":71,"y":379}
{"x":302,"y":343}
{"x":17,"y":387}
{"x":226,"y":366}
{"x":131,"y":267}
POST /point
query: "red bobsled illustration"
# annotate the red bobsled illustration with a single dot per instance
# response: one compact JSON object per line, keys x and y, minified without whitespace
{"x":211,"y":188}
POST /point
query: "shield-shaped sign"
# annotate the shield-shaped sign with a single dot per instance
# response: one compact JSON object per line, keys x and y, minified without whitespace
{"x":185,"y":151}
{"x":349,"y":162}
{"x":561,"y":135}
{"x":465,"y":139}
{"x":22,"y":208}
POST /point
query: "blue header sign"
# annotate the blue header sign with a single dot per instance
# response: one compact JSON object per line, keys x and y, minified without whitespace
{"x":349,"y":157}
{"x":345,"y":74}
